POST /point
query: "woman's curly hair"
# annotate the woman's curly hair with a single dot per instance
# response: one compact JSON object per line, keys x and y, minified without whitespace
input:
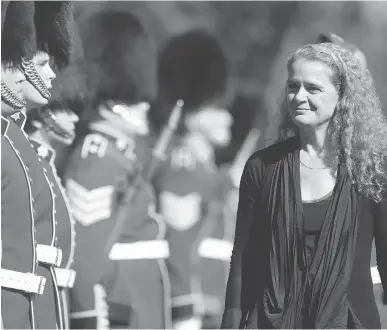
{"x":358,"y":128}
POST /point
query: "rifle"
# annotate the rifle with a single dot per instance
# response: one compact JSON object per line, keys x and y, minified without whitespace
{"x":143,"y":176}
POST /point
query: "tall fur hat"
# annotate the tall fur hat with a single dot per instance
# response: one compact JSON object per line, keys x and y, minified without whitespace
{"x":18,"y":35}
{"x":4,"y":7}
{"x":69,"y":88}
{"x":54,"y":22}
{"x":120,"y":56}
{"x":194,"y":68}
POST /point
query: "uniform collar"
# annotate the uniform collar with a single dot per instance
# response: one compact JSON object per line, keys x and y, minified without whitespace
{"x":43,"y":151}
{"x":19,"y":118}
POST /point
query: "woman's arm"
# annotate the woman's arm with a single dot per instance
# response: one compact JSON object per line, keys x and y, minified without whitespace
{"x":381,"y":243}
{"x":247,"y":199}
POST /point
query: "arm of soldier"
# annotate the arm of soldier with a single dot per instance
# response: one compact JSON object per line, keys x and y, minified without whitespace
{"x":381,"y":243}
{"x":90,"y":181}
{"x":247,"y":198}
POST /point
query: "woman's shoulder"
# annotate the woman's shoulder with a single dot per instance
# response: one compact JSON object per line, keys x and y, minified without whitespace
{"x":274,"y":153}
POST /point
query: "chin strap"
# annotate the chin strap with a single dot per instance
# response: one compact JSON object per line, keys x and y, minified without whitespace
{"x":34,"y":78}
{"x":50,"y":124}
{"x":10,"y":98}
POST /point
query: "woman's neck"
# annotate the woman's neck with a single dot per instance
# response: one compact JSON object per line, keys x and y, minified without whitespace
{"x":314,"y":141}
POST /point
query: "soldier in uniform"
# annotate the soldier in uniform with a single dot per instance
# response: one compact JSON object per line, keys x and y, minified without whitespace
{"x":47,"y":127}
{"x":194,"y":68}
{"x":29,"y":291}
{"x":18,"y":260}
{"x":128,"y":287}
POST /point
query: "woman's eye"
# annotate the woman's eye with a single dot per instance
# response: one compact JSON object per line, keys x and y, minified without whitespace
{"x":314,"y":90}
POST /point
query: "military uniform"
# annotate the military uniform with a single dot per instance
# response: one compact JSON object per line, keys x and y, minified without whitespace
{"x":18,"y":248}
{"x":65,"y":228}
{"x":37,"y":222}
{"x":29,"y":230}
{"x":128,"y":290}
{"x":189,"y":200}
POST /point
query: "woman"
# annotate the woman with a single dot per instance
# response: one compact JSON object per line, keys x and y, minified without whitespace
{"x":310,"y":205}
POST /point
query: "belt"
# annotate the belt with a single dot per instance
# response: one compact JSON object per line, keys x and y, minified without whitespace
{"x":26,"y":282}
{"x":214,"y":248}
{"x":153,"y":249}
{"x":49,"y":255}
{"x":65,"y":277}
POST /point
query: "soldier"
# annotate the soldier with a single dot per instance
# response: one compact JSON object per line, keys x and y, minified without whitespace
{"x":47,"y":127}
{"x":193,"y":67}
{"x":127,"y":291}
{"x":29,"y":252}
{"x":18,"y":260}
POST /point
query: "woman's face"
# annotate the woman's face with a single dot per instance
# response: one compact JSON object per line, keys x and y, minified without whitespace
{"x":311,"y":95}
{"x":14,"y":78}
{"x":32,"y":96}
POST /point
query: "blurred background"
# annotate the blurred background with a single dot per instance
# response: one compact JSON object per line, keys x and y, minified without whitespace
{"x":257,"y":37}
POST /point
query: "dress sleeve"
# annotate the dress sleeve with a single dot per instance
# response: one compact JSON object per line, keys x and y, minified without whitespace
{"x":247,"y":199}
{"x":381,"y":243}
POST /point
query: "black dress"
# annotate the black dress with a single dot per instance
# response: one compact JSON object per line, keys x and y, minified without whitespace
{"x":372,"y":224}
{"x":360,"y":289}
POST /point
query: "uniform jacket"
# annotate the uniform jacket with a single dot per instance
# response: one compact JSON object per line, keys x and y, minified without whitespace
{"x":189,"y":198}
{"x":65,"y":226}
{"x":99,"y":164}
{"x":24,"y":181}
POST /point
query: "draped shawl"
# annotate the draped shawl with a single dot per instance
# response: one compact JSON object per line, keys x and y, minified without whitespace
{"x":291,"y":292}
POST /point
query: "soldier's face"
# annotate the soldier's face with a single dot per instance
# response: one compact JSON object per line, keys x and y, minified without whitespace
{"x":66,"y":119}
{"x":14,"y":78}
{"x":32,"y":96}
{"x":214,"y":123}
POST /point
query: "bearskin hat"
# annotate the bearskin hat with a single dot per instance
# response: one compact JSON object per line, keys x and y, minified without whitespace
{"x":192,"y":67}
{"x":54,"y":22}
{"x":18,"y":35}
{"x":69,"y":89}
{"x":120,"y":56}
{"x":4,"y":7}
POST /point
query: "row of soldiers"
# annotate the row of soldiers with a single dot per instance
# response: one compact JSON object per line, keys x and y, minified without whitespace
{"x":71,"y":154}
{"x":61,"y":266}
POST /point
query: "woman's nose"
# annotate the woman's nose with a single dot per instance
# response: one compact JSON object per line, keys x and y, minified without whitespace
{"x":300,"y":95}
